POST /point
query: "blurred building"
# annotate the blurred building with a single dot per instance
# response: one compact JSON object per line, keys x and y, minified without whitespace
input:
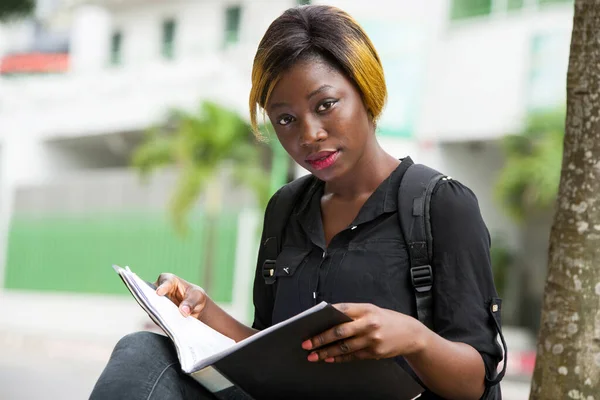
{"x":81,"y":81}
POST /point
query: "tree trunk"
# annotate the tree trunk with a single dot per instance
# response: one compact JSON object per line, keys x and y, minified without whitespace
{"x":568,"y":360}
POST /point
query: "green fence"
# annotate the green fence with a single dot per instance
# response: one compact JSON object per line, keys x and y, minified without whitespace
{"x":74,"y":253}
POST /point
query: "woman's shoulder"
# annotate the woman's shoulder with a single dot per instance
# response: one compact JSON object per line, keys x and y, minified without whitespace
{"x":451,"y":189}
{"x":291,"y":194}
{"x":448,"y":192}
{"x":455,"y":213}
{"x":451,"y":196}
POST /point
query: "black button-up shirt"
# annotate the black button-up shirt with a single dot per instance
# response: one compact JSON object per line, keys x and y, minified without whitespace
{"x":368,"y":262}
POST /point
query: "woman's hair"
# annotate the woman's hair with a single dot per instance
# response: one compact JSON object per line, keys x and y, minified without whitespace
{"x":319,"y":32}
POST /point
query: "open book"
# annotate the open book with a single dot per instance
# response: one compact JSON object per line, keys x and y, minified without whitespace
{"x":271,"y":363}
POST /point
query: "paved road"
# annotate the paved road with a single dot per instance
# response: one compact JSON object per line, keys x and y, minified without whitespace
{"x":47,"y":380}
{"x":513,"y":390}
{"x":34,"y":369}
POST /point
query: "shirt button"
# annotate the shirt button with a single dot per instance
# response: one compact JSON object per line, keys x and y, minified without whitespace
{"x":353,"y":227}
{"x":324,"y":254}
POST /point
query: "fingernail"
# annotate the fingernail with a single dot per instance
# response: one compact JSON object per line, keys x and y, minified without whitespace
{"x":329,"y":360}
{"x":307,"y":345}
{"x":185,"y":310}
{"x":159,"y":291}
{"x":312,"y":357}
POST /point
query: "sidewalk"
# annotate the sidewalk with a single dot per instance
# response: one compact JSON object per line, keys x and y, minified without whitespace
{"x":39,"y":368}
{"x":54,"y":346}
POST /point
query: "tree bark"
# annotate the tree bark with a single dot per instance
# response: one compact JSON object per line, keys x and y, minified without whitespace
{"x":568,"y":354}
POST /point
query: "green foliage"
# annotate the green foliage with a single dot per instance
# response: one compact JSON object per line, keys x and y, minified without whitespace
{"x":199,"y":144}
{"x":15,"y":8}
{"x":502,"y":259}
{"x":531,"y":174}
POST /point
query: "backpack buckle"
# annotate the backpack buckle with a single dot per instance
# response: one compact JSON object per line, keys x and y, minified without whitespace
{"x":422,"y":278}
{"x":268,"y":271}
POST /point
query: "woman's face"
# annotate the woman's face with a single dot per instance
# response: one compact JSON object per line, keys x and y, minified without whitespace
{"x":320,"y":119}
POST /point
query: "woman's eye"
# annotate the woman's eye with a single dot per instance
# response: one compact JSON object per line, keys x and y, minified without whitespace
{"x":326,"y":105}
{"x":285,"y":120}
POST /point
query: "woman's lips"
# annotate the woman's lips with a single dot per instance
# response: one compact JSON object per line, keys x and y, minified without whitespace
{"x":326,"y":160}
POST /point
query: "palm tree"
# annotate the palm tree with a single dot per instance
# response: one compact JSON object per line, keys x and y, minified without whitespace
{"x":200,"y":144}
{"x":529,"y":180}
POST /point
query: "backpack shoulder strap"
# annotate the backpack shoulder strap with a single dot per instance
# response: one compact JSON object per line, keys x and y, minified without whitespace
{"x":284,"y":202}
{"x":414,"y":197}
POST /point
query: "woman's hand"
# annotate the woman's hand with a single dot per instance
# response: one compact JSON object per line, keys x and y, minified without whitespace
{"x":374,"y":333}
{"x":191,"y":299}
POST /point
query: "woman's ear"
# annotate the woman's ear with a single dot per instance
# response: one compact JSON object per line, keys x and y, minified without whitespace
{"x":372,"y":119}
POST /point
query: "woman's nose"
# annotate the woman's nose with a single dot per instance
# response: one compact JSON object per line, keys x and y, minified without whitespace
{"x":312,"y":132}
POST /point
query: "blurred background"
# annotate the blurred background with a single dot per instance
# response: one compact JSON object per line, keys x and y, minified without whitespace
{"x":124,"y":139}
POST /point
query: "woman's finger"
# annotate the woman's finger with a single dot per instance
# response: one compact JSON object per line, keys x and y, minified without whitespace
{"x":196,"y":311}
{"x":357,"y":355}
{"x":334,"y":334}
{"x":164,"y":283}
{"x":355,"y":310}
{"x":193,"y":301}
{"x":367,"y":320}
{"x":341,"y":348}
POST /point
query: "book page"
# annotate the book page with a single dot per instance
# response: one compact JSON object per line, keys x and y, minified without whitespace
{"x":193,"y":339}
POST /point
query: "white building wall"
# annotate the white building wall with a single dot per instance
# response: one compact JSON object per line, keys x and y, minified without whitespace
{"x":90,"y":40}
{"x":474,"y":84}
{"x":14,"y":36}
{"x":200,"y":27}
{"x":477,"y":85}
{"x":94,"y":98}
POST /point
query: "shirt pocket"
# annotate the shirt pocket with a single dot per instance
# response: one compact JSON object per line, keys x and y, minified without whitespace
{"x":288,"y":292}
{"x":387,"y":246}
{"x":374,"y":272}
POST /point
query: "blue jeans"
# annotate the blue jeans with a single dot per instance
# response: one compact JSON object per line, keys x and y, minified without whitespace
{"x":144,"y":366}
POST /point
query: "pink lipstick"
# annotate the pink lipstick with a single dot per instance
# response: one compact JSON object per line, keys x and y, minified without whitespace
{"x":322,"y":159}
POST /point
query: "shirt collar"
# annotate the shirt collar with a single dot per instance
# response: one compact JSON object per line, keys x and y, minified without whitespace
{"x":392,"y":185}
{"x":315,"y":188}
{"x":383,"y":200}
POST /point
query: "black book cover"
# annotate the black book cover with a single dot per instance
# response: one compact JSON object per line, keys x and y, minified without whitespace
{"x":276,"y":367}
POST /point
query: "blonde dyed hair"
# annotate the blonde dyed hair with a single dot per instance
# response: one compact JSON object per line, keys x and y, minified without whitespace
{"x":323,"y":32}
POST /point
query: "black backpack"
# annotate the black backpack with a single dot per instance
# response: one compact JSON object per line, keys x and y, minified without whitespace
{"x":414,"y":197}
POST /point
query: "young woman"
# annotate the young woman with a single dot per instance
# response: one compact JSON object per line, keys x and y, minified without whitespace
{"x":319,"y":79}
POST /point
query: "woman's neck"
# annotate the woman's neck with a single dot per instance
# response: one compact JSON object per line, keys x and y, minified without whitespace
{"x":368,"y":173}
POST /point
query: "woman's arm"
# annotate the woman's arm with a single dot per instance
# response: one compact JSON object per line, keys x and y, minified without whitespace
{"x":218,"y":319}
{"x":193,"y":300}
{"x":452,"y":370}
